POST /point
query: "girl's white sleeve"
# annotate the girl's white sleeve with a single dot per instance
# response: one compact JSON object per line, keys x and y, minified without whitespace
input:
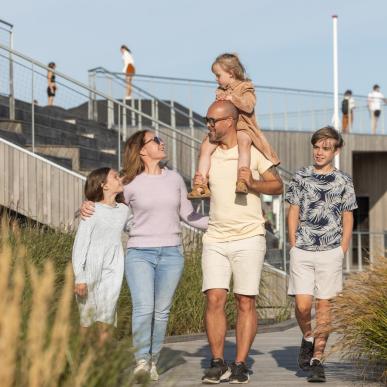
{"x":81,"y":248}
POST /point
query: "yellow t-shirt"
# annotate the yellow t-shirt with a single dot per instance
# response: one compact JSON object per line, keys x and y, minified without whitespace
{"x":234,"y":216}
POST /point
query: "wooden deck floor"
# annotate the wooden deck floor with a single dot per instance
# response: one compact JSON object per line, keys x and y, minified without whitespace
{"x":272,"y":360}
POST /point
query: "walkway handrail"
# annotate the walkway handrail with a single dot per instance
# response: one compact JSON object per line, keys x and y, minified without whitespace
{"x":118,"y":76}
{"x":99,"y":93}
{"x":213,"y":83}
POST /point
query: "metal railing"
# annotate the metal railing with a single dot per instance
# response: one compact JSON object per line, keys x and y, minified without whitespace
{"x":277,"y":108}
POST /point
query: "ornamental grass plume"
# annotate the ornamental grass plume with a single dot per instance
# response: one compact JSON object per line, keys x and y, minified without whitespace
{"x":360,"y":319}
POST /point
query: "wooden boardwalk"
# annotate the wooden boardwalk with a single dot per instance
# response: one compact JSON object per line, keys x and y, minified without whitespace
{"x":272,"y":360}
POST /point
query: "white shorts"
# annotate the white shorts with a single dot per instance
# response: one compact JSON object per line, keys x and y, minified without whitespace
{"x":243,"y":259}
{"x":318,"y":273}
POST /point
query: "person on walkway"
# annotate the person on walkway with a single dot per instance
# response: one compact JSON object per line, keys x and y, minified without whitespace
{"x":51,"y":84}
{"x":234,"y":244}
{"x":129,"y":69}
{"x":375,"y":101}
{"x":154,"y":261}
{"x":98,"y":256}
{"x":347,"y":107}
{"x":234,"y":86}
{"x":320,"y":223}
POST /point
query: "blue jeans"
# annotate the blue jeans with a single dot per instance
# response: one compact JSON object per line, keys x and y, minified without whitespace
{"x":152,"y":275}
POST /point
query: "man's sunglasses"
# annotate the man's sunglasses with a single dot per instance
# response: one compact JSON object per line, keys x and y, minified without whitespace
{"x":156,"y":139}
{"x":212,"y":121}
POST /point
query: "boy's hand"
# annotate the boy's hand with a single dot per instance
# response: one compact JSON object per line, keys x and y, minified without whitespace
{"x":345,"y":247}
{"x":87,"y":209}
{"x":80,"y":290}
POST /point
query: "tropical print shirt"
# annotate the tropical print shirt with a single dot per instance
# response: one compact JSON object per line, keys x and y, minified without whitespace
{"x":322,"y":199}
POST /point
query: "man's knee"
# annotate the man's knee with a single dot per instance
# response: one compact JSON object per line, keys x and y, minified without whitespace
{"x":245,"y":303}
{"x":303,"y":308}
{"x":216,"y":298}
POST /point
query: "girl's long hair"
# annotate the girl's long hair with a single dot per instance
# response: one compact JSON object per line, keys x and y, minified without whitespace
{"x":93,"y":185}
{"x":231,"y":64}
{"x":132,"y":163}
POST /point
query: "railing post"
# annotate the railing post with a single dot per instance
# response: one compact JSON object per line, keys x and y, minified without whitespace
{"x":140,"y":113}
{"x":157,"y":126}
{"x":91,"y":108}
{"x":359,"y":253}
{"x":11,"y":88}
{"x":32,"y":109}
{"x":152,"y":101}
{"x":110,"y":107}
{"x":173,"y":124}
{"x":133,"y":114}
{"x":119,"y":138}
{"x":124,"y":122}
{"x":192,"y":132}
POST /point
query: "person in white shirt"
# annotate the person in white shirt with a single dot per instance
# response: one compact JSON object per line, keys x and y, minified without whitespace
{"x":375,"y":101}
{"x":128,"y":69}
{"x":347,"y":106}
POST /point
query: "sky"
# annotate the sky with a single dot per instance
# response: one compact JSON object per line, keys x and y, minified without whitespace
{"x":282,"y":43}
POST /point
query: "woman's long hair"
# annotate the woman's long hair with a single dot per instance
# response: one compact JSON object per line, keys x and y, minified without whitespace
{"x":132,"y":163}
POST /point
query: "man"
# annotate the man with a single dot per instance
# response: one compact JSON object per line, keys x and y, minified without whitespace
{"x":347,"y":107}
{"x":375,"y":101}
{"x":234,"y":244}
{"x":320,"y":224}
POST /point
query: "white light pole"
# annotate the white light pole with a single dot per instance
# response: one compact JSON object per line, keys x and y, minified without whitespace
{"x":335,"y":84}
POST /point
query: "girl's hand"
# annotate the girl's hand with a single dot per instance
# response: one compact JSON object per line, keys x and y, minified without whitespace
{"x":220,"y":95}
{"x":80,"y":290}
{"x":228,"y":98}
{"x":87,"y":209}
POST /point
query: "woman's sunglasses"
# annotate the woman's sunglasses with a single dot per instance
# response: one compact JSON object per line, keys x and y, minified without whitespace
{"x":156,"y":139}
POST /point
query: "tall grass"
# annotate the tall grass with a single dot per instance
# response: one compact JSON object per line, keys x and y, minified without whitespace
{"x":360,"y":317}
{"x":40,"y":342}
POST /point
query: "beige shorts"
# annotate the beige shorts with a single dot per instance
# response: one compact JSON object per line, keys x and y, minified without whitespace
{"x":318,"y":273}
{"x":241,"y":259}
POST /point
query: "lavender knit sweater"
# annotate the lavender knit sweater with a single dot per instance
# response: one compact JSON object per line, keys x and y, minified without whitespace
{"x":158,"y":203}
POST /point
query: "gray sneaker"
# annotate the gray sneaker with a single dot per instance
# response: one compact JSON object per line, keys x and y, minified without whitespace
{"x":218,"y":372}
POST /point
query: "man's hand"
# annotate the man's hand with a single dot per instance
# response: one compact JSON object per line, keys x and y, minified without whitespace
{"x":80,"y":290}
{"x":87,"y":209}
{"x":245,"y":174}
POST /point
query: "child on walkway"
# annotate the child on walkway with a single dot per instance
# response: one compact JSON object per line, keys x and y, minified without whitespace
{"x":234,"y":86}
{"x":98,"y":257}
{"x":320,"y":222}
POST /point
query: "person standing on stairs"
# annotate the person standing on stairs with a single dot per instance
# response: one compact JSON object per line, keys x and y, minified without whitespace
{"x":234,"y":86}
{"x":51,"y":84}
{"x":129,"y":69}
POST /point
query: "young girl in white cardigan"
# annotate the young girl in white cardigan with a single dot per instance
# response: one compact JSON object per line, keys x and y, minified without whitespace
{"x":98,"y":257}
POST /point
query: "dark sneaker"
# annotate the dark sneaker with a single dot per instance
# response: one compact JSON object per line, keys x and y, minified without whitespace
{"x":306,"y":354}
{"x":240,"y":374}
{"x":218,"y":372}
{"x":317,"y":373}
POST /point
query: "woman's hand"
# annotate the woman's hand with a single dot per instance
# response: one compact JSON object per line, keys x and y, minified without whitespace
{"x":87,"y":209}
{"x":80,"y":290}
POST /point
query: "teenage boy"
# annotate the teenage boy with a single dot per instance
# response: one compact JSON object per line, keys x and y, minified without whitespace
{"x":320,"y":224}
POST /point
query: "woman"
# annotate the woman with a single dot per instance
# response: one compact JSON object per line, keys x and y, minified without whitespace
{"x":51,"y":85}
{"x":154,"y":263}
{"x":128,"y":69}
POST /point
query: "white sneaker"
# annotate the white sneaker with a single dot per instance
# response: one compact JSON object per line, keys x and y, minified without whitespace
{"x":141,"y":371}
{"x":154,"y":375}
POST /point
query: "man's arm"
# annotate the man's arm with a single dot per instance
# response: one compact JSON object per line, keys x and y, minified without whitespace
{"x":271,"y":183}
{"x":347,"y":230}
{"x":293,"y":219}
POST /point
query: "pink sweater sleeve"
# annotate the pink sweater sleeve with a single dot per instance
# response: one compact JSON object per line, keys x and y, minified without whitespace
{"x":187,"y":213}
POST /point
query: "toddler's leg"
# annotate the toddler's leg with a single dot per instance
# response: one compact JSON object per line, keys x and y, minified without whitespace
{"x":244,"y":157}
{"x":244,"y":149}
{"x":206,"y":150}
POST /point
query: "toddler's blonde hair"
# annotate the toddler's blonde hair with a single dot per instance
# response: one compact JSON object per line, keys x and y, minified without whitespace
{"x":231,"y":64}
